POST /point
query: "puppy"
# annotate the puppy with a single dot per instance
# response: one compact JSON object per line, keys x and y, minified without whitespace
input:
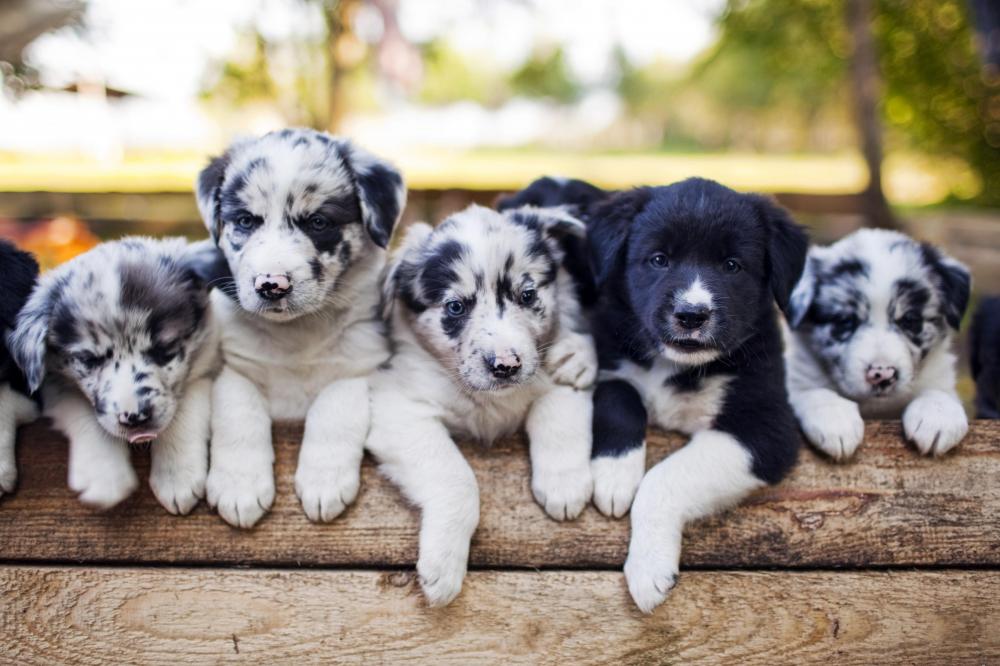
{"x":871,"y":323}
{"x":124,"y":338}
{"x":487,"y":338}
{"x":984,"y":341}
{"x":19,"y":271}
{"x":303,"y":219}
{"x":687,"y":279}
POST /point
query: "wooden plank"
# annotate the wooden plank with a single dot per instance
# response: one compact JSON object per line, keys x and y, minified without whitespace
{"x":169,"y":616}
{"x":890,"y":507}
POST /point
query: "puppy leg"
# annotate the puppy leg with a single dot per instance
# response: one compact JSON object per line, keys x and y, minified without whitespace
{"x":180,"y":456}
{"x":15,"y":409}
{"x":713,"y":471}
{"x":618,"y":458}
{"x":832,"y":423}
{"x":558,"y":427}
{"x":240,"y":481}
{"x":329,"y":471}
{"x":572,"y":360}
{"x":99,"y":466}
{"x":417,"y":454}
{"x":935,"y":421}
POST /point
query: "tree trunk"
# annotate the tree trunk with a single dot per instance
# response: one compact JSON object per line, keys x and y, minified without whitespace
{"x":335,"y":13}
{"x":865,"y":87}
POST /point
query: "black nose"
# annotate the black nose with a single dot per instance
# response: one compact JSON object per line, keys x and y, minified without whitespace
{"x":691,"y":316}
{"x":504,"y":368}
{"x":132,"y":419}
{"x":272,"y":287}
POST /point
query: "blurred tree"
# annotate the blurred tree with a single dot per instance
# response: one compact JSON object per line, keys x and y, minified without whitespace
{"x":21,"y":23}
{"x":449,"y":78}
{"x":545,"y":74}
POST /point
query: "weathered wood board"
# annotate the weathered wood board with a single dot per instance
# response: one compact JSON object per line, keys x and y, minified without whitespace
{"x":890,"y":507}
{"x":170,"y":616}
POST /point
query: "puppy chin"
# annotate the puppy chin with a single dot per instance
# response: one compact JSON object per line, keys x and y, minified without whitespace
{"x":490,"y":384}
{"x":689,"y":357}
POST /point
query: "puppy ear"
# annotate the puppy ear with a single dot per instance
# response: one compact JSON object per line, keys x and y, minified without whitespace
{"x":206,"y":263}
{"x":381,"y":192}
{"x":549,"y":191}
{"x":954,"y":283}
{"x":786,"y":249}
{"x":207,"y":190}
{"x":556,"y":222}
{"x":803,"y":294}
{"x":28,"y":341}
{"x":609,"y":223}
{"x":415,"y":236}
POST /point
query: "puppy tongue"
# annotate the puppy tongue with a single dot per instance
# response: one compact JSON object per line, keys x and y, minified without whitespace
{"x":141,"y":437}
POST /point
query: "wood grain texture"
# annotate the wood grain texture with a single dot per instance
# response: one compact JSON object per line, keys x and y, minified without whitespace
{"x":170,"y":616}
{"x":889,"y":507}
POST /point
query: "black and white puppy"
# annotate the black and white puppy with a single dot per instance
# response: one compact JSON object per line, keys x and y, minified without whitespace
{"x":302,"y":218}
{"x":124,"y":339}
{"x":487,"y":338}
{"x":688,"y":337}
{"x":984,"y":341}
{"x":871,"y":321}
{"x":18,"y":272}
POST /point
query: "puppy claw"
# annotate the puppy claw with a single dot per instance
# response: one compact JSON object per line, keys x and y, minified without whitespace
{"x":441,"y":577}
{"x":834,"y":426}
{"x":325,"y":491}
{"x":241,"y":497}
{"x":616,"y":480}
{"x":649,"y":580}
{"x":178,"y":491}
{"x":563,"y":494}
{"x":572,"y":361}
{"x":935,"y":422}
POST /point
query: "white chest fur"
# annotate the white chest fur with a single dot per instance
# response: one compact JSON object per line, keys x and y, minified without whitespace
{"x":670,"y":407}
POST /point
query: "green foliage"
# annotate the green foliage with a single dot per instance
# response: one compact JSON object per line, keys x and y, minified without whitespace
{"x":449,"y":77}
{"x":545,"y":74}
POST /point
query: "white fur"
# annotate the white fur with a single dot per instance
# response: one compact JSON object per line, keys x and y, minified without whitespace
{"x":712,"y":472}
{"x":616,"y":478}
{"x":15,"y":409}
{"x":696,"y":294}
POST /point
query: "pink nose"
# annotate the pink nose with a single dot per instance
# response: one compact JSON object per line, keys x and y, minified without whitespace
{"x":272,"y":287}
{"x":882,"y":376}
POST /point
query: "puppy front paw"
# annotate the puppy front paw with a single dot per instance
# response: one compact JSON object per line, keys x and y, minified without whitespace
{"x":650,"y":578}
{"x":8,"y":474}
{"x":935,"y":422}
{"x":102,"y":483}
{"x":834,"y":426}
{"x":178,"y":489}
{"x":563,"y":493}
{"x":241,"y":495}
{"x":325,"y":490}
{"x":441,"y":571}
{"x":616,"y":479}
{"x":572,"y":361}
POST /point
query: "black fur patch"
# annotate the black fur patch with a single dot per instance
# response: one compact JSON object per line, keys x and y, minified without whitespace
{"x":20,"y":271}
{"x":984,"y":343}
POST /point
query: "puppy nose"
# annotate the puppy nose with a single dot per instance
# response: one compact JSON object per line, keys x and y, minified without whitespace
{"x":132,"y":419}
{"x":881,"y":376}
{"x":504,"y":367}
{"x":272,"y":287}
{"x":691,"y":316}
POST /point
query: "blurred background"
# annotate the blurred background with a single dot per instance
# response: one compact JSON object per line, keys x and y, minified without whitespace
{"x":851,"y":112}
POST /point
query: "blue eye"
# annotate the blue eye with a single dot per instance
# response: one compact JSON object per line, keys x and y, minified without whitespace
{"x":455,"y":308}
{"x":658,"y":260}
{"x":246,"y":221}
{"x":528,"y":296}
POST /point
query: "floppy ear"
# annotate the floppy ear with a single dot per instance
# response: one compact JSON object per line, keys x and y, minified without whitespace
{"x":28,"y":341}
{"x":549,"y":191}
{"x":954,"y":283}
{"x":803,"y":294}
{"x":206,"y":262}
{"x":786,"y":250}
{"x":608,"y":230}
{"x":416,"y":235}
{"x":207,"y":190}
{"x":381,"y":192}
{"x":557,"y":223}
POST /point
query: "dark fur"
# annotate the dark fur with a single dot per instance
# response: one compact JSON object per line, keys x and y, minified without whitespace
{"x":18,"y":273}
{"x":984,"y":342}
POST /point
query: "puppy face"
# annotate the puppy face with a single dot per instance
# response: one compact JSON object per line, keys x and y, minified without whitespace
{"x":873,"y":305}
{"x":698,"y":263}
{"x":480,"y":291}
{"x":121,"y":323}
{"x":292,"y":211}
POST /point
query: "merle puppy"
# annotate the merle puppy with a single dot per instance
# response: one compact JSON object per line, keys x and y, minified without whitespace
{"x":487,"y":338}
{"x":303,"y":219}
{"x":872,"y":320}
{"x":688,"y":277}
{"x":984,"y":340}
{"x":123,"y":337}
{"x":18,"y":271}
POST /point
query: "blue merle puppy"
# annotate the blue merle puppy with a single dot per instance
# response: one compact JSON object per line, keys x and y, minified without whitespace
{"x":19,"y":272}
{"x":123,"y":338}
{"x":688,"y":280}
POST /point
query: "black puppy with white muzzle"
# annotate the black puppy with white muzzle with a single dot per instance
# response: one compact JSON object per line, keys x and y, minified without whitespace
{"x":687,"y":277}
{"x":18,"y":271}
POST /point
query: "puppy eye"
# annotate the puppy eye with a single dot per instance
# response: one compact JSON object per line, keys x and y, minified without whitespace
{"x":844,"y":326}
{"x":246,"y":221}
{"x":658,"y":260}
{"x":911,"y":321}
{"x":88,"y":360}
{"x":162,"y":354}
{"x":318,"y":223}
{"x":455,"y":308}
{"x":732,"y":266}
{"x":528,"y":296}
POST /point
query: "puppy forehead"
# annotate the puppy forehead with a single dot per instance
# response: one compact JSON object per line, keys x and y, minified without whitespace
{"x":701,"y":223}
{"x":881,"y":264}
{"x":493,"y":246}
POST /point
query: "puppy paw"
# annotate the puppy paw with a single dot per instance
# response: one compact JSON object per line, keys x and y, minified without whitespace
{"x":834,"y":426}
{"x":650,"y":580}
{"x":563,"y":493}
{"x":326,"y":490}
{"x":616,"y":479}
{"x":177,"y":489}
{"x":441,"y":574}
{"x":935,"y":422}
{"x":102,"y":483}
{"x":241,"y":496}
{"x":8,"y":474}
{"x":572,"y":361}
